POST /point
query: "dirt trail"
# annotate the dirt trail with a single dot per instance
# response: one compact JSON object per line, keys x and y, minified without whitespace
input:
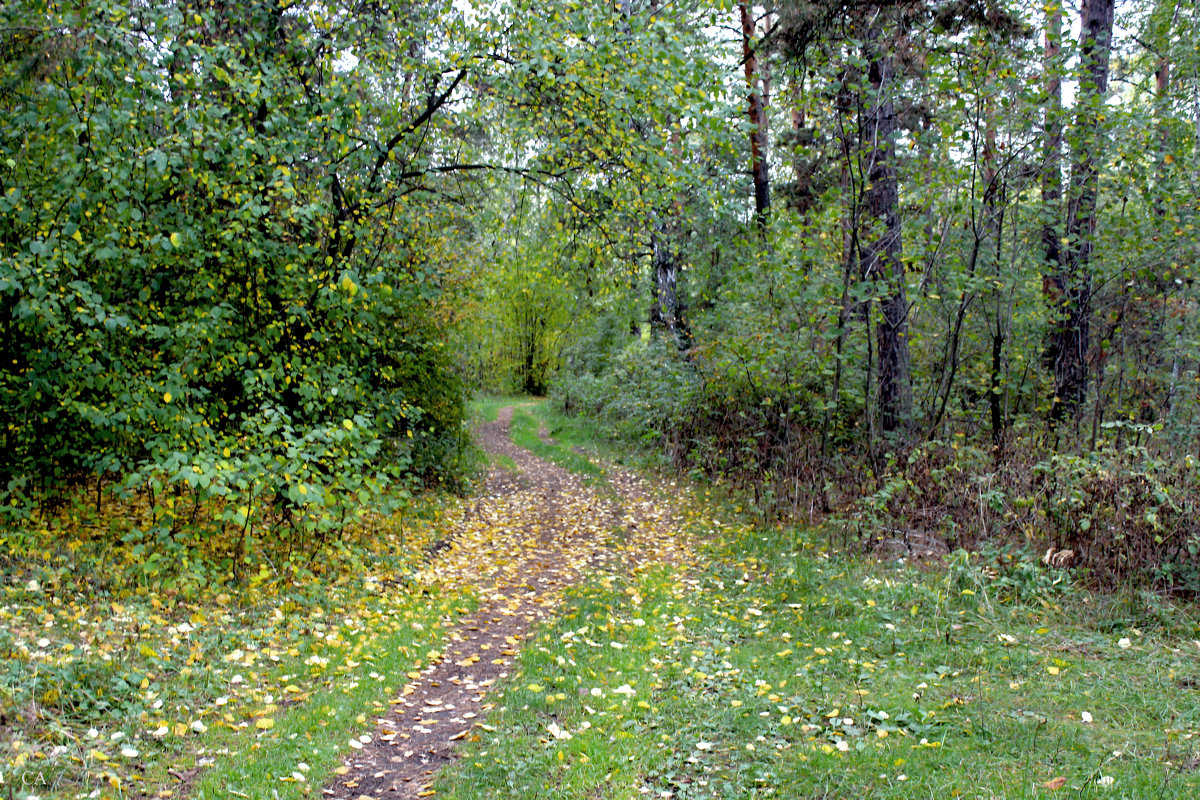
{"x":517,"y":546}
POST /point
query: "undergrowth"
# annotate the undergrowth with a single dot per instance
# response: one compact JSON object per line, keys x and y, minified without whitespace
{"x":1122,"y":509}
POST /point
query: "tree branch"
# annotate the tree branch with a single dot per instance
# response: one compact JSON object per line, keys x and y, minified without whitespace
{"x":432,"y":106}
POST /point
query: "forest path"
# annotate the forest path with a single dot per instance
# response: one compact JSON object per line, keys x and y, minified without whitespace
{"x":523,"y":540}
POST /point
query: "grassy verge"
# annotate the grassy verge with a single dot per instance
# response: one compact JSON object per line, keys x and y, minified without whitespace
{"x":127,"y":686}
{"x":573,"y":432}
{"x":559,"y":445}
{"x":304,"y":748}
{"x":573,"y":443}
{"x":786,"y":672}
{"x":485,"y":408}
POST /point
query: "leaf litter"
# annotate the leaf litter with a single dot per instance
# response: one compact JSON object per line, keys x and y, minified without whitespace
{"x":515,"y":548}
{"x":131,"y":691}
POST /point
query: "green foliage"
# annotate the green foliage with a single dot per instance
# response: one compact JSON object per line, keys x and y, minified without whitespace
{"x":641,"y":397}
{"x":778,"y":390}
{"x":213,"y":271}
{"x":526,"y":304}
{"x":1004,"y":575}
{"x":1122,"y":514}
{"x":1125,"y":512}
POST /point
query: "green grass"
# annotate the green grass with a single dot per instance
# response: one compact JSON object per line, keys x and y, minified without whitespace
{"x":575,"y":432}
{"x":485,"y":407}
{"x":120,"y":686}
{"x":558,"y":448}
{"x":304,"y":746}
{"x":571,"y":440}
{"x":785,"y":672}
{"x":503,"y":462}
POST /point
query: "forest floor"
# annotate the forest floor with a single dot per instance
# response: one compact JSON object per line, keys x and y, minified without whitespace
{"x":534,"y":530}
{"x":580,"y":630}
{"x":762,"y":663}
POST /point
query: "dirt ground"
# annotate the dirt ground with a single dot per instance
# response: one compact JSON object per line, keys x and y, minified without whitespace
{"x":524,"y":539}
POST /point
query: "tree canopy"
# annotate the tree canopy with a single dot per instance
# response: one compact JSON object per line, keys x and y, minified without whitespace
{"x":257,"y":253}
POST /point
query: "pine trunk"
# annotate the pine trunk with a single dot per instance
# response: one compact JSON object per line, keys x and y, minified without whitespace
{"x":1073,"y":280}
{"x":758,"y":126}
{"x":882,"y":250}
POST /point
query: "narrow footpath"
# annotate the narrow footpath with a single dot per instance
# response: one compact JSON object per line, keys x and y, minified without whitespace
{"x":524,"y":540}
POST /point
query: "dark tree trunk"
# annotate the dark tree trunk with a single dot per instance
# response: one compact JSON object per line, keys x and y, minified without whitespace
{"x":1072,"y":282}
{"x":758,"y":122}
{"x":1052,"y":158}
{"x":667,"y":309}
{"x":882,"y":245}
{"x":994,"y":197}
{"x":666,"y":312}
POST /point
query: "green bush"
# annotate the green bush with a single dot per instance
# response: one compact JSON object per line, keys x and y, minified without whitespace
{"x":197,"y":289}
